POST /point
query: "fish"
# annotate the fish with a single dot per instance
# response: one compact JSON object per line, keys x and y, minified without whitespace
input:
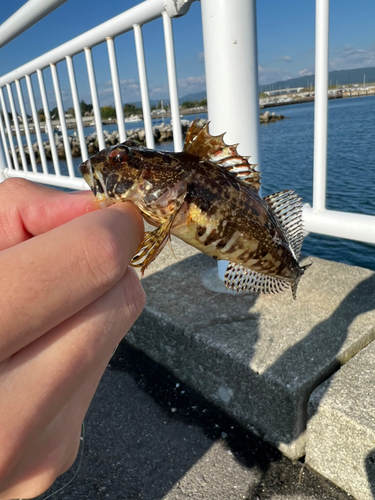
{"x":208,"y":196}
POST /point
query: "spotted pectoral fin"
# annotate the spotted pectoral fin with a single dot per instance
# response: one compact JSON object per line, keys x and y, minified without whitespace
{"x":152,"y":244}
{"x":242,"y":279}
{"x":199,"y":142}
{"x":287,"y":207}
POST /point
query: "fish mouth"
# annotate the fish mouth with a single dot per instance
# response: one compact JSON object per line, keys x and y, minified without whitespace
{"x":94,"y":179}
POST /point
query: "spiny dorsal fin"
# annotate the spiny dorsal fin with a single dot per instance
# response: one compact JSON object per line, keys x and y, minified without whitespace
{"x":199,"y":142}
{"x":287,"y":207}
{"x":242,"y":279}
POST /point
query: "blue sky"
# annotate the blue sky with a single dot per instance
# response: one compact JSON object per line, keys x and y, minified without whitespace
{"x":285,"y":44}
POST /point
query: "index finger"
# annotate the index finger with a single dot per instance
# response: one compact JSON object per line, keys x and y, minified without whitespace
{"x":49,"y":278}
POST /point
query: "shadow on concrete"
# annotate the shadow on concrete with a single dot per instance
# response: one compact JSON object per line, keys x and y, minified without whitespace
{"x":330,"y":336}
{"x":137,"y":448}
{"x":370,"y":468}
{"x":145,"y":429}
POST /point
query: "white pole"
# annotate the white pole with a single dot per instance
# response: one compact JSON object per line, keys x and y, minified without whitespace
{"x":358,"y":227}
{"x":8,"y":130}
{"x":4,"y":154}
{"x":48,"y":122}
{"x":231,"y":62}
{"x":77,"y":108}
{"x":49,"y":179}
{"x":94,"y":98}
{"x":172,"y":82}
{"x":116,"y":89}
{"x":64,"y":129}
{"x":30,"y":13}
{"x":38,"y":132}
{"x":321,"y":104}
{"x":16,"y":127}
{"x":5,"y":161}
{"x":142,"y":72}
{"x":26,"y":126}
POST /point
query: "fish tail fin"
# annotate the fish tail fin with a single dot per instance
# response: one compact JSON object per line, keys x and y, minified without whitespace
{"x":296,"y":281}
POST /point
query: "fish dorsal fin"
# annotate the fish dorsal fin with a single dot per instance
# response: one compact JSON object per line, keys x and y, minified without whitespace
{"x":242,"y":279}
{"x":199,"y":142}
{"x":287,"y":207}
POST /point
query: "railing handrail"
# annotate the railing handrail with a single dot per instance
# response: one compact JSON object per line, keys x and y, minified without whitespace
{"x":25,"y":17}
{"x":137,"y":15}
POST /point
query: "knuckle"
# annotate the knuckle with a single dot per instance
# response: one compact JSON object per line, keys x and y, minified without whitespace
{"x":135,"y":297}
{"x":14,"y":186}
{"x":103,"y":255}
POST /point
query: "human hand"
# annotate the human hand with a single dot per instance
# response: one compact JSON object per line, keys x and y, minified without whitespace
{"x":67,"y":297}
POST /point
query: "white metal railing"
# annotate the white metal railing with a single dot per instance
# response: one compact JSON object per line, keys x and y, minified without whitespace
{"x":132,"y":19}
{"x":29,"y":14}
{"x":317,"y":218}
{"x":230,"y":47}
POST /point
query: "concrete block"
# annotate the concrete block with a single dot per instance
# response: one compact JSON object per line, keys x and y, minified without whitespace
{"x":341,"y":430}
{"x":257,"y":358}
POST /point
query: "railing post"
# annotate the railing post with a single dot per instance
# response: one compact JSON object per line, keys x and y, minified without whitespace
{"x":3,"y":164}
{"x":142,"y":72}
{"x":172,"y":82}
{"x":231,"y":62}
{"x":321,"y":104}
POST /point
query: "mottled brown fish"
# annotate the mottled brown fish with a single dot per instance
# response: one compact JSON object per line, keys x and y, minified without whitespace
{"x":207,"y":195}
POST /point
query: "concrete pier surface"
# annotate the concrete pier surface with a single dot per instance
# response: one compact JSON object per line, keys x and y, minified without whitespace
{"x":148,"y":436}
{"x":255,"y":362}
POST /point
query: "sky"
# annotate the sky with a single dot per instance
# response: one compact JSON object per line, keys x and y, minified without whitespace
{"x":286,"y":31}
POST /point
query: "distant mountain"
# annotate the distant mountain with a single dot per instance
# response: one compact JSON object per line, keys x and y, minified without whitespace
{"x":342,"y":77}
{"x":197,"y":96}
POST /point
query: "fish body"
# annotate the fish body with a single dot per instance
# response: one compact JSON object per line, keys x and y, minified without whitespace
{"x":208,"y":196}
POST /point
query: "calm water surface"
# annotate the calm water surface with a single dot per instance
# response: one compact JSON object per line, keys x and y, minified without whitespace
{"x":287,"y":163}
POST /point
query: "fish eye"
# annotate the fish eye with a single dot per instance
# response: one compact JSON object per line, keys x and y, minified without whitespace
{"x":118,"y":156}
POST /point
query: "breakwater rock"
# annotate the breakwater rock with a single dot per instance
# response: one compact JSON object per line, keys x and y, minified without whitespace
{"x":268,"y":117}
{"x":162,"y":133}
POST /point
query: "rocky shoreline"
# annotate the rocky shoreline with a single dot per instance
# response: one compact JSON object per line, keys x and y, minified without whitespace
{"x":162,"y":133}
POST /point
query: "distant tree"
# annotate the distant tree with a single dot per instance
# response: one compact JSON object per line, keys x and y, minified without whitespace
{"x":54,"y":113}
{"x":189,"y":104}
{"x":107,"y":112}
{"x":85,"y":108}
{"x":70,"y":111}
{"x":41,"y":116}
{"x":10,"y":116}
{"x":130,"y":109}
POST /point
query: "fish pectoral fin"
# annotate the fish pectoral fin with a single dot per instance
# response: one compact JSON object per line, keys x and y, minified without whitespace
{"x":152,"y":244}
{"x":241,"y":279}
{"x":287,"y":207}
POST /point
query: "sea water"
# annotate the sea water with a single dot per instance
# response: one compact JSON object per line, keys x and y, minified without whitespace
{"x":287,"y":163}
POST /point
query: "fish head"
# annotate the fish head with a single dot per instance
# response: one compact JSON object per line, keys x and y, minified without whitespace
{"x":129,"y":171}
{"x":113,"y":172}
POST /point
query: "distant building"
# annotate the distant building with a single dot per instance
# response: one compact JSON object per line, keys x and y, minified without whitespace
{"x":283,"y":91}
